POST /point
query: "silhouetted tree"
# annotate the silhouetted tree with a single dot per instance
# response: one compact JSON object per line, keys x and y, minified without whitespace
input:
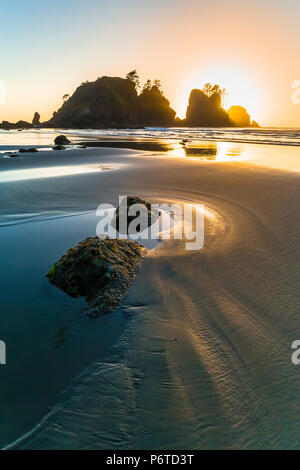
{"x":209,"y":90}
{"x":65,"y":97}
{"x":134,"y":78}
{"x":157,"y":84}
{"x":147,"y":86}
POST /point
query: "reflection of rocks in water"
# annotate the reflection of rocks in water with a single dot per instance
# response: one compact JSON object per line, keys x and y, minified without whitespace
{"x":234,"y":152}
{"x":60,"y":337}
{"x":220,"y":151}
{"x":207,"y":152}
{"x":152,"y":146}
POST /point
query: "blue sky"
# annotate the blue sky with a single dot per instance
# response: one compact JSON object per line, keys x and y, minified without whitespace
{"x":49,"y":47}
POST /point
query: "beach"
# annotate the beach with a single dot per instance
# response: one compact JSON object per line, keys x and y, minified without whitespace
{"x":199,"y":354}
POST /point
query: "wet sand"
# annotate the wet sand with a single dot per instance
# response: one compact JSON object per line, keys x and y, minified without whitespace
{"x":205,"y":360}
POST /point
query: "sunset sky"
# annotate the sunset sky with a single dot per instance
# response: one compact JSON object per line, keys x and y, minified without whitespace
{"x":251,"y":47}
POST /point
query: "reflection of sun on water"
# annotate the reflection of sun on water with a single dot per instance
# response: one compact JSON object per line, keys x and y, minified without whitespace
{"x":227,"y":152}
{"x":50,"y":172}
{"x":210,"y":151}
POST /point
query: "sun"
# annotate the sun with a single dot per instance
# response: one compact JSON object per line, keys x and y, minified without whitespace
{"x":241,"y":86}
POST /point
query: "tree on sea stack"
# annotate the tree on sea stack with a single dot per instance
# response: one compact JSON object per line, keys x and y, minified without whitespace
{"x":157,"y":84}
{"x":134,"y":78}
{"x":65,"y":97}
{"x":210,"y":90}
{"x":154,"y":108}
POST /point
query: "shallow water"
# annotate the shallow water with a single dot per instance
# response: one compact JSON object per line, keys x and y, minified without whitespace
{"x":276,"y":136}
{"x":237,"y":314}
{"x":49,"y":338}
{"x":271,"y":147}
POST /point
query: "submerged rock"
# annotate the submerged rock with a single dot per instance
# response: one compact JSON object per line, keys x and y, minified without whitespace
{"x":12,"y":155}
{"x":99,"y":270}
{"x":61,"y":140}
{"x":59,"y":147}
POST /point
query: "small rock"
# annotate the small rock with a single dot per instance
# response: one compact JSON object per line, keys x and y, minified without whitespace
{"x":13,"y":155}
{"x":123,"y":210}
{"x":62,"y":140}
{"x":24,"y":150}
{"x":59,"y":147}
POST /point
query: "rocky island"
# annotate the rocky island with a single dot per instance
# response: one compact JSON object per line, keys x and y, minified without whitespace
{"x":115,"y":102}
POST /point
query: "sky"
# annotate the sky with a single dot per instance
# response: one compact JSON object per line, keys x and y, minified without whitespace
{"x":251,"y":47}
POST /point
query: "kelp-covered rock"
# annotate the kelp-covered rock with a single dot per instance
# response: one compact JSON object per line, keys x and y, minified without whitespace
{"x":99,"y":270}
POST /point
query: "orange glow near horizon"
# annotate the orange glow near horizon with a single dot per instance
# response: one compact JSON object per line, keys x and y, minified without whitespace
{"x":249,"y":47}
{"x":241,"y":86}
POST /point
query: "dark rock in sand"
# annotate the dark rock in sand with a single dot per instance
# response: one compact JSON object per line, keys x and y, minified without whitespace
{"x":62,"y":140}
{"x":99,"y":270}
{"x":124,"y":207}
{"x":59,"y":147}
{"x":24,"y":150}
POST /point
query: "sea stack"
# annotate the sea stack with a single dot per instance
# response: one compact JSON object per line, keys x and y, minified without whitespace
{"x":36,"y":120}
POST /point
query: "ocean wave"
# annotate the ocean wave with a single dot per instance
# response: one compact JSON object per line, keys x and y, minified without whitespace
{"x":271,"y":136}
